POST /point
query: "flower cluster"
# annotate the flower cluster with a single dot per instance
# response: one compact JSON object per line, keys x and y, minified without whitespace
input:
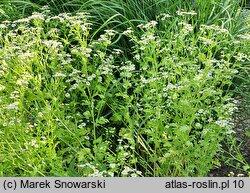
{"x":74,"y":100}
{"x":186,"y":13}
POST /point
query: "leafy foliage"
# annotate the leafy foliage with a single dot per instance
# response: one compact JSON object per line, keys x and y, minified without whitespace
{"x":73,"y":105}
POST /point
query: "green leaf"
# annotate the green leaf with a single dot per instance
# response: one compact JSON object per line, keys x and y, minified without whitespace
{"x":247,"y":133}
{"x":117,"y":118}
{"x":102,"y":121}
{"x":202,"y":57}
{"x":2,"y":12}
{"x":87,"y":114}
{"x":184,"y":128}
{"x":100,"y":104}
{"x":189,"y":143}
{"x":246,"y":167}
{"x":84,"y":154}
{"x":98,"y":140}
{"x":71,"y":170}
{"x":100,"y":88}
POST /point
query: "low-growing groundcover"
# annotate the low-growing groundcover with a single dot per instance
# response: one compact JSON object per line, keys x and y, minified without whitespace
{"x":72,"y":105}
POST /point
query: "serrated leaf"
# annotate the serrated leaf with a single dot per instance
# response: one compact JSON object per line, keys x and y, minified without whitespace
{"x":102,"y":120}
{"x":246,"y":167}
{"x":98,"y":140}
{"x":117,"y":118}
{"x":184,"y":128}
{"x":202,"y":57}
{"x":87,"y":114}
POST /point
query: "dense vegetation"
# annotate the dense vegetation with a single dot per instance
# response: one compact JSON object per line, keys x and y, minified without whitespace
{"x":122,"y":88}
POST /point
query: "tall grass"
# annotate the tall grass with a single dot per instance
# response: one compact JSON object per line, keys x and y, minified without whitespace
{"x":130,"y":13}
{"x":135,"y":11}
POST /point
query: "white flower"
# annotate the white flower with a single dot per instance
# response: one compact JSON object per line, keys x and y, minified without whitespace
{"x":128,"y":68}
{"x":152,"y":23}
{"x":139,"y":173}
{"x":126,"y":171}
{"x":2,"y":26}
{"x":163,"y":16}
{"x":40,"y":114}
{"x":222,"y":30}
{"x":206,"y":41}
{"x":134,"y":175}
{"x":52,"y":43}
{"x":184,"y":13}
{"x":144,"y":80}
{"x":104,"y":38}
{"x":241,"y":57}
{"x":186,"y":27}
{"x":83,"y":27}
{"x":132,"y":67}
{"x":2,"y":87}
{"x":74,"y":72}
{"x":245,"y":36}
{"x":37,"y":16}
{"x":74,"y":86}
{"x":125,"y":154}
{"x":2,"y":72}
{"x":26,"y":55}
{"x":45,"y":7}
{"x":96,"y":173}
{"x":105,"y":69}
{"x":222,"y":123}
{"x":170,"y":86}
{"x":82,"y":125}
{"x":200,"y":111}
{"x":23,"y":20}
{"x":137,"y":56}
{"x":22,"y":82}
{"x":12,"y":106}
{"x":90,"y":78}
{"x":110,"y":32}
{"x":67,"y":95}
{"x":87,"y":52}
{"x":215,"y":28}
{"x":117,"y":51}
{"x":151,"y":37}
{"x":112,"y":165}
{"x":198,"y":125}
{"x":111,"y":174}
{"x":198,"y":77}
{"x":33,"y":143}
{"x":128,"y":31}
{"x":53,"y":31}
{"x":59,"y":74}
{"x":148,"y":25}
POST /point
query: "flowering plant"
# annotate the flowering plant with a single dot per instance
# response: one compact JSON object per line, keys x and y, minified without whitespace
{"x":71,"y":104}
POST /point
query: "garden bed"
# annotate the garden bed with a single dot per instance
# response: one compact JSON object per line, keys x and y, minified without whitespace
{"x":89,"y":95}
